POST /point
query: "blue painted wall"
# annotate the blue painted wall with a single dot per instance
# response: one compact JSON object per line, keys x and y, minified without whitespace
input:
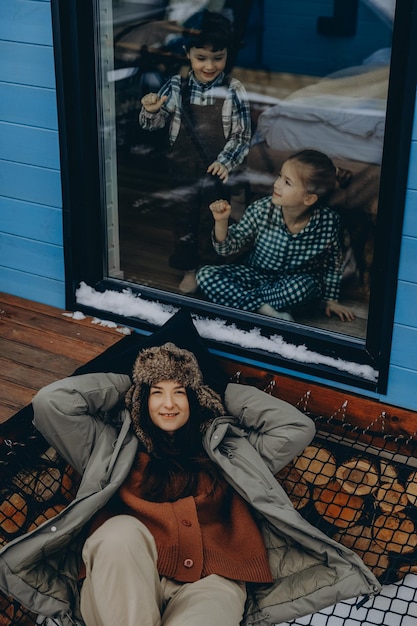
{"x":31,"y":247}
{"x":31,"y":242}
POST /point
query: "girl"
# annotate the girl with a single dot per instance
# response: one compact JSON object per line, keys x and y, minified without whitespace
{"x":209,"y":134}
{"x":295,"y":253}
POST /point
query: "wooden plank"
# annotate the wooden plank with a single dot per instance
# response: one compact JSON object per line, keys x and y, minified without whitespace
{"x":406,"y":303}
{"x":35,"y":288}
{"x":57,"y":364}
{"x":27,"y":21}
{"x":33,"y":146}
{"x":27,"y":255}
{"x":38,"y":345}
{"x":33,"y":377}
{"x":403,"y":351}
{"x":30,"y":183}
{"x":27,"y":64}
{"x":407,"y":268}
{"x":404,"y":382}
{"x":71,"y":345}
{"x":13,"y":398}
{"x":51,"y":323}
{"x":326,"y":402}
{"x":410,"y":214}
{"x":35,"y":221}
{"x":33,"y":106}
{"x":412,"y":169}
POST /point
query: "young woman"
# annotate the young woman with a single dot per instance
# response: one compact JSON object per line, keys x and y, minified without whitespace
{"x":295,"y":248}
{"x":179,"y":518}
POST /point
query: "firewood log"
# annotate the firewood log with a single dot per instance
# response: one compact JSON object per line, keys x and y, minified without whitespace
{"x":411,"y":488}
{"x":395,"y":533}
{"x":51,"y":511}
{"x":336,"y":506}
{"x":295,"y":486}
{"x":13,"y":512}
{"x":357,"y":476}
{"x":391,"y":497}
{"x":47,"y":484}
{"x":316,"y":465}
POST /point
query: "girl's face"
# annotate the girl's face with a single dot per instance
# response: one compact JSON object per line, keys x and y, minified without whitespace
{"x":168,"y":405}
{"x":289,"y":190}
{"x":206,"y":64}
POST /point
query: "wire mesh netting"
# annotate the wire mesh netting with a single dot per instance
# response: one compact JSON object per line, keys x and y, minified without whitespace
{"x":35,"y":485}
{"x":358,"y":485}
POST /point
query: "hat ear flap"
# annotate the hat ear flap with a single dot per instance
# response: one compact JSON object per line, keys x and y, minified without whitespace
{"x":133,"y":402}
{"x":210,"y":400}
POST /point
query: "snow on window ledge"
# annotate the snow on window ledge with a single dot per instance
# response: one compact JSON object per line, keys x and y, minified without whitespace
{"x":129,"y":304}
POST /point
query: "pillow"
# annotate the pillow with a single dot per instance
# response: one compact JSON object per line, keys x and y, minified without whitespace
{"x":181,"y":331}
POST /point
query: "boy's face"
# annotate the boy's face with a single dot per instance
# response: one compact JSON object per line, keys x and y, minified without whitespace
{"x":206,"y":64}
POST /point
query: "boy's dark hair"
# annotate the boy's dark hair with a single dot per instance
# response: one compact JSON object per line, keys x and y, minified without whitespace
{"x":209,"y":29}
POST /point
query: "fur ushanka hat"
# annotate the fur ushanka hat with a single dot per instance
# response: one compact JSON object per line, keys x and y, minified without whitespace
{"x":168,"y":362}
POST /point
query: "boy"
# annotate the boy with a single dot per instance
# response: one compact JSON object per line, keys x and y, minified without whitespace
{"x":209,"y":135}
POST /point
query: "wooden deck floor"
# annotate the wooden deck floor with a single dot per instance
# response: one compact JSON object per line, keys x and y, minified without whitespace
{"x":40,"y":344}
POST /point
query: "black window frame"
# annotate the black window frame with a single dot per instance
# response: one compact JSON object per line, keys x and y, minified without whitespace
{"x":84,"y":228}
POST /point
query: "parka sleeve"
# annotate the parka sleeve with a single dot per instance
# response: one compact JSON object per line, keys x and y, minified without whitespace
{"x":69,"y":412}
{"x":275,"y":428}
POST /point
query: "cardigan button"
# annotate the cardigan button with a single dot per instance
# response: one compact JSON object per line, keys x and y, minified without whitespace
{"x":186,"y":522}
{"x":188,"y":563}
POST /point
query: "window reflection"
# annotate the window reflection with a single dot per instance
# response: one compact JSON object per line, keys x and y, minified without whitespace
{"x":306,"y":89}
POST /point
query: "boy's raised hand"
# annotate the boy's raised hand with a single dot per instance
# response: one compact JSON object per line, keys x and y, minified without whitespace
{"x":218,"y":169}
{"x":152,"y":103}
{"x":221,"y":210}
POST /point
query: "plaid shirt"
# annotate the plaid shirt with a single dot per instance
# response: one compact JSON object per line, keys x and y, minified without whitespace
{"x":315,"y":250}
{"x":235,"y":113}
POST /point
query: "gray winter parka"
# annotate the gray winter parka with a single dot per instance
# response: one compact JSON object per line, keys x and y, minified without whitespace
{"x":84,"y":419}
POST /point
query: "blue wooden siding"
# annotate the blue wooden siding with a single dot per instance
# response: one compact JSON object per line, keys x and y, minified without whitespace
{"x":402,"y":389}
{"x":31,"y":242}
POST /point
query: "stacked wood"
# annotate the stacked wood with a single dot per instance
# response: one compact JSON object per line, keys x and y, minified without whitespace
{"x":295,"y":486}
{"x":336,"y":506}
{"x":12,"y":614}
{"x":50,"y":512}
{"x":411,"y":488}
{"x":391,"y":497}
{"x":363,"y":502}
{"x":395,"y":533}
{"x":13,"y":513}
{"x":360,"y":539}
{"x":357,"y":476}
{"x":69,"y":483}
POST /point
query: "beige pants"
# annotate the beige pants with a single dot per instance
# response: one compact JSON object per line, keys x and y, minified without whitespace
{"x":123,"y":587}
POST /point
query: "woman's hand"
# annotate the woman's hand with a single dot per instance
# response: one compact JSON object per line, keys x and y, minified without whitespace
{"x":218,"y":169}
{"x":152,"y":103}
{"x":344,"y":313}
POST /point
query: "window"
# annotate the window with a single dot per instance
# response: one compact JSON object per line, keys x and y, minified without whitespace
{"x":331,"y":76}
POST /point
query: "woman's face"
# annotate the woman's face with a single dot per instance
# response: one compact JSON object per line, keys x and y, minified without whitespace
{"x":168,"y":405}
